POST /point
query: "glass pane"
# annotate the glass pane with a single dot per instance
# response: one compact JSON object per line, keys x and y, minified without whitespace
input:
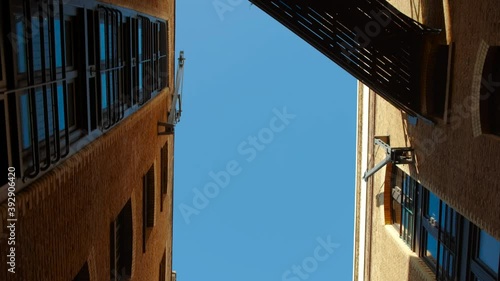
{"x":38,"y":41}
{"x":21,"y":45}
{"x":104,"y":91}
{"x":40,"y":115}
{"x":41,"y":111}
{"x":111,"y":36}
{"x":25,"y":120}
{"x":71,"y":105}
{"x":489,"y":251}
{"x":102,"y":40}
{"x":141,"y":66}
{"x":446,"y":259}
{"x":433,"y":207}
{"x":60,"y":107}
{"x":44,"y":114}
{"x":449,"y":220}
{"x":57,"y":32}
{"x":69,"y":43}
{"x":396,"y":212}
{"x":430,"y":247}
{"x":139,"y":35}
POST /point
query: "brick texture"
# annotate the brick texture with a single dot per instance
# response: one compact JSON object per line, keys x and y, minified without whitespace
{"x":64,"y":217}
{"x":454,"y":161}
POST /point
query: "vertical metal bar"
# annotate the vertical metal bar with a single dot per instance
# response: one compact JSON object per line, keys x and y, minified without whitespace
{"x":106,"y":65}
{"x":99,"y":73}
{"x":119,"y":72}
{"x":86,"y":31}
{"x":46,"y":116}
{"x":35,"y":149}
{"x":116,"y":70}
{"x":121,"y":55}
{"x":438,"y":240}
{"x":464,"y":237}
{"x":402,"y":209}
{"x":65,"y":83}
{"x":97,"y":61}
{"x":446,"y":240}
{"x":418,"y":214}
{"x":155,"y":54}
{"x":112,"y":64}
{"x":55,"y":98}
{"x":109,"y":34}
{"x":147,"y":69}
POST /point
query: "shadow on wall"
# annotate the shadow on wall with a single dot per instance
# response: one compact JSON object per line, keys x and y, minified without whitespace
{"x":419,"y":271}
{"x":430,"y":13}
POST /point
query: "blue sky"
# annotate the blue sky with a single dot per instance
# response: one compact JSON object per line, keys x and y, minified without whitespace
{"x":287,"y":183}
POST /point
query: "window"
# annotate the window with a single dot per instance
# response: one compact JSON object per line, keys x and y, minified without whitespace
{"x":46,"y":82}
{"x":131,"y":53}
{"x":144,"y":59}
{"x":68,"y":71}
{"x":163,"y":56}
{"x":403,"y":205}
{"x":163,"y":266}
{"x":490,"y":93}
{"x":452,"y":246}
{"x":488,"y":251}
{"x":164,"y":174}
{"x":120,"y":245}
{"x":83,"y":274}
{"x":155,"y":31}
{"x":148,"y":204}
{"x":111,"y":67}
{"x":485,"y":256}
{"x":439,"y":233}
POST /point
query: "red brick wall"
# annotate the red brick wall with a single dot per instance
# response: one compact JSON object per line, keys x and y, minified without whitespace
{"x":64,"y":217}
{"x":66,"y":214}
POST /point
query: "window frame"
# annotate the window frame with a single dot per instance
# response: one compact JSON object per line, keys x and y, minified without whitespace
{"x":121,"y":233}
{"x":45,"y":82}
{"x":111,"y":67}
{"x":131,"y":54}
{"x":400,"y":196}
{"x":163,"y":57}
{"x":144,"y":61}
{"x":445,"y":241}
{"x":57,"y":23}
{"x":148,"y":204}
{"x":456,"y":238}
{"x":489,"y":101}
{"x":478,"y":268}
{"x":163,"y":266}
{"x":164,"y":174}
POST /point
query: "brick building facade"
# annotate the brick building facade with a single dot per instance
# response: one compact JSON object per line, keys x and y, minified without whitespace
{"x":94,"y":195}
{"x":436,"y":219}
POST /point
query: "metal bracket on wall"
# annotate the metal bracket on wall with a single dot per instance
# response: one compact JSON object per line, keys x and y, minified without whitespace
{"x":174,"y":114}
{"x":168,"y":129}
{"x":396,"y":155}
